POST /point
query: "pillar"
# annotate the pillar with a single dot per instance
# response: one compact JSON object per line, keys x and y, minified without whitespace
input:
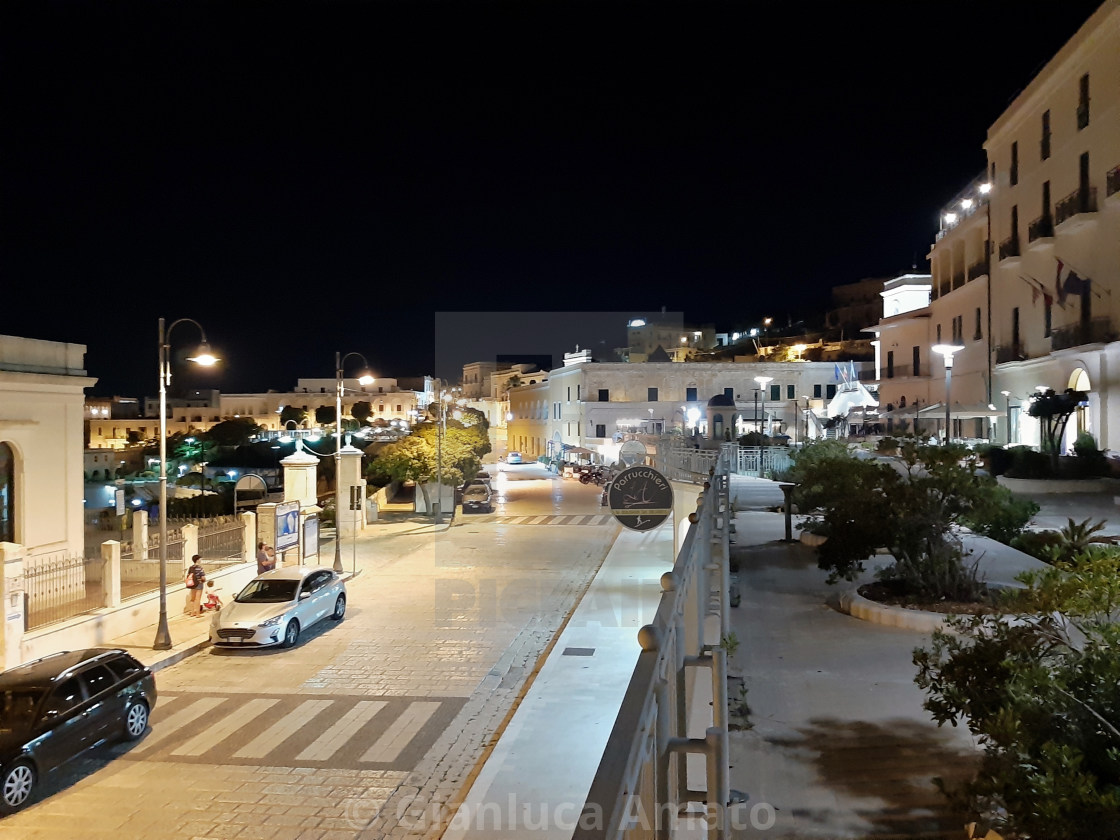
{"x":350,"y":522}
{"x":248,"y":535}
{"x":12,"y":602}
{"x":266,"y":528}
{"x":301,"y":473}
{"x":111,"y":573}
{"x":140,"y":535}
{"x":190,"y":546}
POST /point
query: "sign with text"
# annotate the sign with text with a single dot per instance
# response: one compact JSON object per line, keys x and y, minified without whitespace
{"x":311,"y":537}
{"x":640,"y":498}
{"x":287,"y":525}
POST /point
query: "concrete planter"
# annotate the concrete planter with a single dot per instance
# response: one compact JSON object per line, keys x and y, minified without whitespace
{"x":855,"y":605}
{"x":812,"y":540}
{"x":1037,"y":485}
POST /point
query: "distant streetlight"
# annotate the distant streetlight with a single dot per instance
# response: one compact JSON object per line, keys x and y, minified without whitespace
{"x":947,"y":352}
{"x":202,"y":356}
{"x":763,"y":381}
{"x":364,"y":378}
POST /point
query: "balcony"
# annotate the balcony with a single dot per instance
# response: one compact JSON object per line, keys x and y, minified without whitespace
{"x":1112,"y":186}
{"x":902,"y":372}
{"x":1009,"y":249}
{"x":1097,"y":331}
{"x":958,"y":279}
{"x":1010,"y":353}
{"x":1076,"y":210}
{"x":1040,"y":233}
{"x":977,"y":269}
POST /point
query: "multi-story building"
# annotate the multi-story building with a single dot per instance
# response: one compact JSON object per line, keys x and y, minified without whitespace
{"x":665,"y":334}
{"x":1026,"y":266}
{"x":41,"y":406}
{"x":476,"y":379}
{"x":595,"y":405}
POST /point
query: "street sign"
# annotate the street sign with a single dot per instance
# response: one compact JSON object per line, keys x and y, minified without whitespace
{"x":119,"y":498}
{"x":640,"y":498}
{"x":632,"y":452}
{"x":355,"y":497}
{"x":287,"y":525}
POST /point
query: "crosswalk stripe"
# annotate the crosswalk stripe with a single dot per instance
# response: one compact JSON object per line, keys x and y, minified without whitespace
{"x":272,"y":737}
{"x":537,"y":520}
{"x":166,"y":728}
{"x":329,"y":742}
{"x":222,"y":729}
{"x":400,"y":732}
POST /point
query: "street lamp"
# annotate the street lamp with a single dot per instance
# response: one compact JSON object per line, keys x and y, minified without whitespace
{"x":763,"y":381}
{"x":947,"y":351}
{"x":364,"y":378}
{"x":202,"y":356}
{"x":441,"y":429}
{"x":1007,"y":397}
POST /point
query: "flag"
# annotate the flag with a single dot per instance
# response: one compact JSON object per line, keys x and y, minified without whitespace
{"x":852,"y":371}
{"x":1060,"y":292}
{"x":836,"y":372}
{"x":1071,"y":284}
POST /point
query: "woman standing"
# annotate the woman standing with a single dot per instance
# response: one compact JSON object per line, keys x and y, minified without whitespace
{"x":196,"y":579}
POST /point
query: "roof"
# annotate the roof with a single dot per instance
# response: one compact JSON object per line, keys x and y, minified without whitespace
{"x":42,"y":671}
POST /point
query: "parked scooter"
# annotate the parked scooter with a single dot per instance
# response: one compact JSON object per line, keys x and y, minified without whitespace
{"x":590,"y":475}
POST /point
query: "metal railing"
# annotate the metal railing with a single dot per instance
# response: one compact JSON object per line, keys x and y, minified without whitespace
{"x":760,"y":461}
{"x":977,"y":269}
{"x":641,"y":788}
{"x":1077,"y":202}
{"x":1098,"y":330}
{"x":221,"y":542}
{"x":1009,"y":248}
{"x":1040,"y":228}
{"x":59,"y":586}
{"x":1112,"y":182}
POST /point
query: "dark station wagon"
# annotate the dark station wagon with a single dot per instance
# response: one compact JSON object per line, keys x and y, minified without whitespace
{"x":55,"y":708}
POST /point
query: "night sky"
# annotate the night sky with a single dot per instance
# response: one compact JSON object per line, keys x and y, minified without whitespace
{"x":305,"y":178}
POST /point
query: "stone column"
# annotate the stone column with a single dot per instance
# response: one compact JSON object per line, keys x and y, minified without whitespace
{"x":12,"y":617}
{"x":301,"y":472}
{"x":111,"y":573}
{"x":249,"y":536}
{"x":140,"y":535}
{"x":190,"y":546}
{"x":349,"y":521}
{"x":266,"y":529}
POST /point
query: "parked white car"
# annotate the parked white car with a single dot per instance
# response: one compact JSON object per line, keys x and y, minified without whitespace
{"x":276,"y":606}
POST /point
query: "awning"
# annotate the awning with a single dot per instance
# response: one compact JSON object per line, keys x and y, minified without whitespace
{"x":576,"y":450}
{"x":961,"y":412}
{"x":905,"y":413}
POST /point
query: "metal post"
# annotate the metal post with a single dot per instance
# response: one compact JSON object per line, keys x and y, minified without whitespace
{"x":438,"y":507}
{"x":338,"y":463}
{"x":163,"y":633}
{"x":948,"y":396}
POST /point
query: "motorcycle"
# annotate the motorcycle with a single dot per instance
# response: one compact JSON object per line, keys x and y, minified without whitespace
{"x":590,"y":475}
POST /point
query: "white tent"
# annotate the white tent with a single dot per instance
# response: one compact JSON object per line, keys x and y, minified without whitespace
{"x":851,"y":395}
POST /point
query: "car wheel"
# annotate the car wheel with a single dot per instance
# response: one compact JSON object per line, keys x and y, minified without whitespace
{"x":135,"y":720}
{"x":339,"y":608}
{"x":291,"y":634}
{"x":16,"y":786}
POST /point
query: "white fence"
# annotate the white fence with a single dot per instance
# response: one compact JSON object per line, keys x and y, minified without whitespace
{"x":642,"y":788}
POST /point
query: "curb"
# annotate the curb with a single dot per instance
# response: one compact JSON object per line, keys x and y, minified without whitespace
{"x":852,"y":603}
{"x":175,"y":656}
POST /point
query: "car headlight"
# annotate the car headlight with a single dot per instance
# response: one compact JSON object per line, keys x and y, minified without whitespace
{"x":272,"y":622}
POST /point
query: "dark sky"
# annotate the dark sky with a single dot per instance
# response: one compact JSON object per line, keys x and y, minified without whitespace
{"x":305,"y":178}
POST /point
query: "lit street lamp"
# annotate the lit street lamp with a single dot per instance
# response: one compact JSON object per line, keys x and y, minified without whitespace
{"x":365,"y":378}
{"x":202,"y":356}
{"x":947,"y":351}
{"x":763,"y":381}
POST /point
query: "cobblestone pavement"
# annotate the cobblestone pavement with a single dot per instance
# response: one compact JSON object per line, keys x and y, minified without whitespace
{"x":363,"y":723}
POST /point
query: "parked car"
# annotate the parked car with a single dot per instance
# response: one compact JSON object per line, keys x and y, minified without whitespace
{"x":276,"y":606}
{"x":477,"y":499}
{"x":482,"y":477}
{"x":55,"y":708}
{"x":513,"y":458}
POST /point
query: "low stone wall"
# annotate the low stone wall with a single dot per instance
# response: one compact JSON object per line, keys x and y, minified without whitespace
{"x":851,"y":602}
{"x":1082,"y":485}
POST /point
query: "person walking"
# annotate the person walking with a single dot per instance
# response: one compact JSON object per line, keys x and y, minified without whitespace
{"x":196,"y":580}
{"x":265,"y":563}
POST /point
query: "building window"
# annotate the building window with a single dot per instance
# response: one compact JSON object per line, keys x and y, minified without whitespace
{"x":7,"y":494}
{"x":775,"y":393}
{"x":830,"y":391}
{"x":816,"y":392}
{"x":569,"y":393}
{"x":577,"y":393}
{"x":1015,"y":329}
{"x":1045,"y":145}
{"x":600,"y":430}
{"x":978,"y":333}
{"x":1014,"y":164}
{"x":890,"y":366}
{"x":938,"y":334}
{"x":604,"y":395}
{"x":651,"y":394}
{"x":791,"y":392}
{"x":398,"y":409}
{"x":916,"y":359}
{"x":1047,"y":314}
{"x":690,"y":395}
{"x":729,"y":393}
{"x":1083,"y":102}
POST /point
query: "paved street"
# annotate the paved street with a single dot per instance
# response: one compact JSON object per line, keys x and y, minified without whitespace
{"x":401,"y":699}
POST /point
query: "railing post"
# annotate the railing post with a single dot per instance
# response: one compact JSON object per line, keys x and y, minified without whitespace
{"x":111,"y":573}
{"x":12,"y":602}
{"x":248,"y":535}
{"x":719,"y":790}
{"x":190,"y":546}
{"x":139,"y":535}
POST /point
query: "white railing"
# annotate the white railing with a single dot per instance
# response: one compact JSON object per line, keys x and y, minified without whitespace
{"x":642,"y":788}
{"x":761,"y":461}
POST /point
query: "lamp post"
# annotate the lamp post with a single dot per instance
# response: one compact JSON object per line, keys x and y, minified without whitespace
{"x":763,"y":381}
{"x":441,"y":428}
{"x":365,"y":378}
{"x":1007,"y":398}
{"x":947,"y":352}
{"x":202,"y":356}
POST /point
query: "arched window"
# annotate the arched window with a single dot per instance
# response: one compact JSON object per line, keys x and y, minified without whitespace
{"x":7,"y":494}
{"x":717,"y":426}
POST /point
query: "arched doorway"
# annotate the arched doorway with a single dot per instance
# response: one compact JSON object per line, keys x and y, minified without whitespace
{"x":1079,"y":381}
{"x":7,"y":494}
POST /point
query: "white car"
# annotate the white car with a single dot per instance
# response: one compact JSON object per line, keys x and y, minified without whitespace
{"x":274,"y":607}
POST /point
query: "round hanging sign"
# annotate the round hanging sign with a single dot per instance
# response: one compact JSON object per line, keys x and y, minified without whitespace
{"x":640,"y":498}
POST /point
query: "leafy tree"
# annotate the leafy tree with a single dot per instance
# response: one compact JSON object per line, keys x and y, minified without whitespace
{"x":1040,"y":690}
{"x":294,"y":414}
{"x":233,"y":432}
{"x":511,"y":383}
{"x":361,"y":411}
{"x":324,"y":415}
{"x":1053,"y":411}
{"x":415,"y":459}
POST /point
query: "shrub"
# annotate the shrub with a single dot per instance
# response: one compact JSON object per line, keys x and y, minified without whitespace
{"x":1026,"y":463}
{"x":999,"y":514}
{"x":887,"y":445}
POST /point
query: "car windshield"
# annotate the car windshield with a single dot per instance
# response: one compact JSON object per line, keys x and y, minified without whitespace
{"x":268,"y":591}
{"x":475,"y":490}
{"x":17,"y":708}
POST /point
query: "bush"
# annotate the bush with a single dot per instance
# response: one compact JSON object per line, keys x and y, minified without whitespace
{"x":996,"y":459}
{"x":887,"y":445}
{"x":1026,"y":463}
{"x":999,"y":514}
